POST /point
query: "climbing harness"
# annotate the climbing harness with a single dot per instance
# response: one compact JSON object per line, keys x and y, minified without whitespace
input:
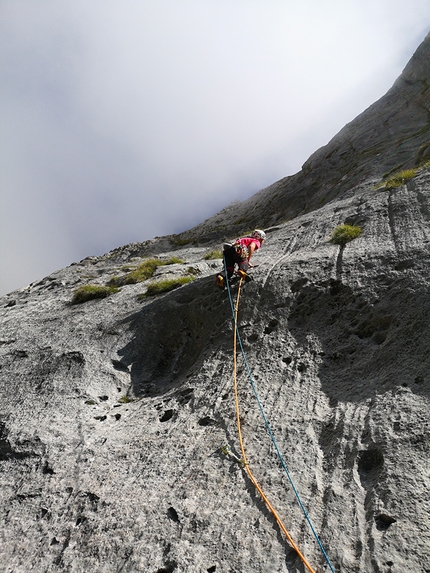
{"x":234,"y":309}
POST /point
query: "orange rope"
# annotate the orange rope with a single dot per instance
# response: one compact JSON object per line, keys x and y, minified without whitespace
{"x":239,"y":430}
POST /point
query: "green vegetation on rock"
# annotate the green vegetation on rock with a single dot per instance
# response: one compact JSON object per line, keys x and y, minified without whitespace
{"x":165,"y":286}
{"x":143,"y":272}
{"x":91,"y":292}
{"x":213,"y":255}
{"x":344,"y":234}
{"x":126,"y":400}
{"x":400,"y":178}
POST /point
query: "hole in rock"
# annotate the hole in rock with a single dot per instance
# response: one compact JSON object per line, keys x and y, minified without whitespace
{"x":46,"y":470}
{"x":389,"y":563}
{"x":291,"y":558}
{"x":370,"y":460}
{"x":369,"y":465}
{"x":54,"y":541}
{"x":118,"y":365}
{"x":187,"y":391}
{"x":168,"y":414}
{"x":186,"y":395}
{"x":211,"y":569}
{"x":380,"y":337}
{"x":173,"y":514}
{"x":100,"y":418}
{"x":81,"y":519}
{"x":117,"y":417}
{"x":103,"y":398}
{"x":384,"y":521}
{"x":21,"y":353}
{"x":271,"y":326}
{"x":206,"y":421}
{"x":93,"y":497}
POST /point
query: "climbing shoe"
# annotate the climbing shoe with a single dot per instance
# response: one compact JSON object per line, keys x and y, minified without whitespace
{"x":220,"y":281}
{"x":243,"y":275}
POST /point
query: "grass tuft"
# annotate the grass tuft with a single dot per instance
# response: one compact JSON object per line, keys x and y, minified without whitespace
{"x":193,"y":271}
{"x":400,"y":178}
{"x":91,"y":292}
{"x":174,"y":261}
{"x":125,"y":400}
{"x":211,"y":255}
{"x":143,"y":272}
{"x":344,"y":234}
{"x":165,"y":286}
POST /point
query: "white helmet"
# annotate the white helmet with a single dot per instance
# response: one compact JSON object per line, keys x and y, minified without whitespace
{"x":258,"y":234}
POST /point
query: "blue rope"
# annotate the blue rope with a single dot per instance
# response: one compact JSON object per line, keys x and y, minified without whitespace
{"x":272,"y":437}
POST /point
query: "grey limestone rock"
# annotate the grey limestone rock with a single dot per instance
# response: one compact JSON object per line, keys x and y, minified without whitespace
{"x":113,"y":412}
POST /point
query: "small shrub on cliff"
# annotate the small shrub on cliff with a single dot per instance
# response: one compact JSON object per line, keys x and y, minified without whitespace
{"x":90,"y":292}
{"x":165,"y":286}
{"x":344,"y":234}
{"x":143,"y":272}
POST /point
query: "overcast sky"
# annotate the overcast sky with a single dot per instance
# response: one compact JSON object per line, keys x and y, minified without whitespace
{"x":122,"y":120}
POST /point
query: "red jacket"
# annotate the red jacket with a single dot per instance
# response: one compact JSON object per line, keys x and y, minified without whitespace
{"x":248,"y":240}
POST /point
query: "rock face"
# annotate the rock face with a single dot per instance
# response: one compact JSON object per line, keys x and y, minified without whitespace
{"x":113,"y":412}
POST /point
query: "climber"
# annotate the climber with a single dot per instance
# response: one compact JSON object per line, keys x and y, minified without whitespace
{"x":240,"y":253}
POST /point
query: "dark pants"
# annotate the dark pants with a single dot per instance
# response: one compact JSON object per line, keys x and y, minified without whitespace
{"x":231,"y":258}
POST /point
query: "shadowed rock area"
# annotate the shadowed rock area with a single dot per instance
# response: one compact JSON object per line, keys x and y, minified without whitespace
{"x":113,"y":412}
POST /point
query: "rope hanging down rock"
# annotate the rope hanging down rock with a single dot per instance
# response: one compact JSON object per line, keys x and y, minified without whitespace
{"x":234,"y":309}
